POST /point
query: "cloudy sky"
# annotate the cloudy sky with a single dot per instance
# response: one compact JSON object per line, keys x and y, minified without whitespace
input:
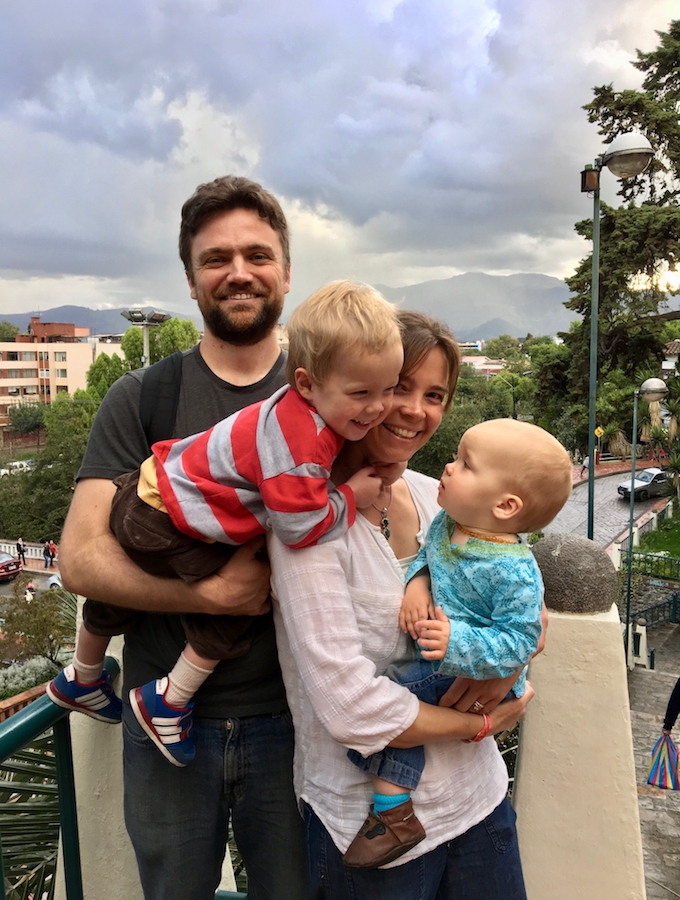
{"x":407,"y":139}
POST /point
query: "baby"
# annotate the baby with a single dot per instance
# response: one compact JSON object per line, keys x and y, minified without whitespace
{"x":483,"y":616}
{"x":190,"y":504}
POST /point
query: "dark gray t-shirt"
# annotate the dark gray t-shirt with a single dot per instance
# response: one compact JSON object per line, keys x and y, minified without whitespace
{"x":247,"y":686}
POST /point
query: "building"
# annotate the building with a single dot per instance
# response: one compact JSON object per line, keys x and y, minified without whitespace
{"x":53,"y":357}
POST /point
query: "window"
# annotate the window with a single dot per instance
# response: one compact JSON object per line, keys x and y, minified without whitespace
{"x":60,"y":373}
{"x":43,"y":355}
{"x":28,"y":356}
{"x":45,"y":390}
{"x":29,"y":373}
{"x":44,"y":373}
{"x":13,"y":373}
{"x":31,"y":389}
{"x":62,"y":388}
{"x":13,"y":391}
{"x":12,"y":356}
{"x":60,"y":356}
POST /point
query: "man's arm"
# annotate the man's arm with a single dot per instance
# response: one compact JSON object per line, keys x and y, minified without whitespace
{"x":93,"y":564}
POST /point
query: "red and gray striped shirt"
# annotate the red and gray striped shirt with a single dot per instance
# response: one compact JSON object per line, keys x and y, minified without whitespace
{"x":265,"y":467}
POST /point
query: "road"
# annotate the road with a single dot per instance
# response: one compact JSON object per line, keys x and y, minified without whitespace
{"x":39,"y":580}
{"x":611,"y":512}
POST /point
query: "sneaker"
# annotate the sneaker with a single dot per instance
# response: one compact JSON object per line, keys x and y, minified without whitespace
{"x":97,"y":699}
{"x":167,"y":726}
{"x":384,"y":836}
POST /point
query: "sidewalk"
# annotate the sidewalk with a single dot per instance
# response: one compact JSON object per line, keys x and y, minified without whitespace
{"x":609,"y":468}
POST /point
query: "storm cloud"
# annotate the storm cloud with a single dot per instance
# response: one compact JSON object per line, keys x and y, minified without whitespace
{"x":408,"y":141}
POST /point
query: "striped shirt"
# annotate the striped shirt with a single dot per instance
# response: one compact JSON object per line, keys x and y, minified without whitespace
{"x":265,"y":468}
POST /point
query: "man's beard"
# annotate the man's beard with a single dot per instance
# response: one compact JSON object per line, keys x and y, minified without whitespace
{"x":223,"y":325}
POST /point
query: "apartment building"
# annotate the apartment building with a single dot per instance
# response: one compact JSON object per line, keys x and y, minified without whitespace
{"x":52,"y":357}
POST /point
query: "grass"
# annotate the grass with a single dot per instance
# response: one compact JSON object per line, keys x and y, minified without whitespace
{"x":665,"y":538}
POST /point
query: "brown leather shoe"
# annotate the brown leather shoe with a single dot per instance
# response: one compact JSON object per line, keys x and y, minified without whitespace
{"x":384,"y":836}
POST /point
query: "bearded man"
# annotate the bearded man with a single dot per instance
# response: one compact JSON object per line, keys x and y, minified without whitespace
{"x":234,"y":245}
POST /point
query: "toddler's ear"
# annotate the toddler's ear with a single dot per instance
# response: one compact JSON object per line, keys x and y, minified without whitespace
{"x":508,"y":507}
{"x":303,"y":383}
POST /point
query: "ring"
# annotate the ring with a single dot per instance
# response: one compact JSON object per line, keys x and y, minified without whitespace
{"x":477,"y":706}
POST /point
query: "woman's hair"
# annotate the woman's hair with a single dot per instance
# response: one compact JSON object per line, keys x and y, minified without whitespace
{"x":341,"y":316}
{"x":420,"y":335}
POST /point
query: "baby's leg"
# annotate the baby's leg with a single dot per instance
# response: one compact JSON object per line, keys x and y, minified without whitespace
{"x":88,"y":658}
{"x":187,"y":676}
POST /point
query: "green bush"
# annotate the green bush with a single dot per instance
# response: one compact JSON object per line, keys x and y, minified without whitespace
{"x":22,"y":676}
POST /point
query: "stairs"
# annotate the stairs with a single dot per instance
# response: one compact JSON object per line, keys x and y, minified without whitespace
{"x":649,"y":691}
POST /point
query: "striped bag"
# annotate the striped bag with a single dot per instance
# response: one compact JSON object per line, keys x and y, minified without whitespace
{"x":663,"y":771}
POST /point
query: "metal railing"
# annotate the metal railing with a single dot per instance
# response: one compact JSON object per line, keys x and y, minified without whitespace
{"x":658,"y":613}
{"x":652,"y":564}
{"x":26,"y":726}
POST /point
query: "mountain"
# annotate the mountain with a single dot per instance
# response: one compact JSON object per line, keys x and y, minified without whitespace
{"x":477,"y":305}
{"x":99,"y":321}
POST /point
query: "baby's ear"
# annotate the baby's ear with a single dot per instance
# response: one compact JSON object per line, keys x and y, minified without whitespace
{"x":303,"y":383}
{"x":508,"y":507}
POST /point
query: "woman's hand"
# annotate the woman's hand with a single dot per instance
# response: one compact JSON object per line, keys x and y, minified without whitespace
{"x":464,"y":693}
{"x":507,"y":715}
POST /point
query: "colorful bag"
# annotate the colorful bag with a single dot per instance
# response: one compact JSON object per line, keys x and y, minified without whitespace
{"x":663,"y":771}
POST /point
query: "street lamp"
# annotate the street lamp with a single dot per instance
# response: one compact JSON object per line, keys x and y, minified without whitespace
{"x":650,"y":390}
{"x":144,"y":319}
{"x":628,"y":155}
{"x":512,"y":386}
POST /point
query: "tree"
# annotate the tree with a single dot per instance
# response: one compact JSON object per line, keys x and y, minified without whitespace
{"x":102,"y":374}
{"x":27,"y":418}
{"x":8,"y":331}
{"x":175,"y":334}
{"x":38,"y":625}
{"x":640,"y":240}
{"x":502,"y":347}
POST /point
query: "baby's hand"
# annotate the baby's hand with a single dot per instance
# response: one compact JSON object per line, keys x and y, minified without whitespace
{"x":433,"y":638}
{"x":365,"y":486}
{"x":416,"y":605}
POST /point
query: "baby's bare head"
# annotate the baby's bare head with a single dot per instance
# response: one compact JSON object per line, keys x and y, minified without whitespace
{"x":534,"y":464}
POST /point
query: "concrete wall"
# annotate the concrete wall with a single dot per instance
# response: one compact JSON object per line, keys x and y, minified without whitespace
{"x":576,"y":797}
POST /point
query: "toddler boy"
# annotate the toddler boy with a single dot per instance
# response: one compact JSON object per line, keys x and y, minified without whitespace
{"x":195,"y":500}
{"x":483,"y":617}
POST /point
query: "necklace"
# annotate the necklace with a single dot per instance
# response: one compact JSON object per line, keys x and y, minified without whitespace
{"x":384,"y":521}
{"x":492,"y":538}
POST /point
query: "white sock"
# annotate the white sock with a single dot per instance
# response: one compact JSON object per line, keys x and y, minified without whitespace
{"x":87,"y":674}
{"x":183,"y":682}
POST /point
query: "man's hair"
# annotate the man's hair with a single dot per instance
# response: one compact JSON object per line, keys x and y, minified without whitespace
{"x":341,"y":316}
{"x":224,"y":194}
{"x":420,"y":335}
{"x":537,"y":468}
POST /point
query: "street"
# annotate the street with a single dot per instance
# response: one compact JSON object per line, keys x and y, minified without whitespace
{"x":611,"y":512}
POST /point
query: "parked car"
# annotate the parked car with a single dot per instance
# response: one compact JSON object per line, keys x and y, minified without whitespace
{"x":648,"y":483}
{"x":9,"y":567}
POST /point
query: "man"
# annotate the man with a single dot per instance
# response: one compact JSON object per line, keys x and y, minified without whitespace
{"x":235,"y":250}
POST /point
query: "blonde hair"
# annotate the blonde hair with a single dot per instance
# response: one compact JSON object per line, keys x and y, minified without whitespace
{"x":341,"y":316}
{"x":536,"y":467}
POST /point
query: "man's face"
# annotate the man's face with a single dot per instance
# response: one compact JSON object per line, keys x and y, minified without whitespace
{"x":239,"y":277}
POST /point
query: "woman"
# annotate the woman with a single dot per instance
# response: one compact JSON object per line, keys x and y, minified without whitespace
{"x":337,"y":628}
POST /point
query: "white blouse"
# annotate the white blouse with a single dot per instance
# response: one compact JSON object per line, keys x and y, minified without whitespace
{"x":336,"y":611}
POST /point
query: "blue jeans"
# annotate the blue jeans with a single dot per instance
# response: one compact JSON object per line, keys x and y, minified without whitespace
{"x":482,"y":864}
{"x":405,"y":766}
{"x":177,"y":818}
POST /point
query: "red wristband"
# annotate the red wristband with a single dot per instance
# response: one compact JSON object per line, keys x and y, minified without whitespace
{"x":482,"y":733}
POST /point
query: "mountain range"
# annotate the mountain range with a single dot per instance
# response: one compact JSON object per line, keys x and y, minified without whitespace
{"x":476,"y":306}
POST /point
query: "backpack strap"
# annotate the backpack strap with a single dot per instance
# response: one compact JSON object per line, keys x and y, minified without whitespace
{"x":160,"y":397}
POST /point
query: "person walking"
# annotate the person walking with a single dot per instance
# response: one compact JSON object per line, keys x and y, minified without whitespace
{"x":21,"y":551}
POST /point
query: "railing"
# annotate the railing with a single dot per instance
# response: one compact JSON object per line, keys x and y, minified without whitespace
{"x":652,"y":564}
{"x":658,"y":613}
{"x":26,"y":726}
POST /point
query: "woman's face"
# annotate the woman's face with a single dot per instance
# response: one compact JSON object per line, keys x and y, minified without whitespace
{"x":416,"y":413}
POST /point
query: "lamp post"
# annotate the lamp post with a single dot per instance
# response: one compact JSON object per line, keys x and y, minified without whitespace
{"x":628,"y":155}
{"x":650,"y":390}
{"x":144,"y":319}
{"x":512,"y":387}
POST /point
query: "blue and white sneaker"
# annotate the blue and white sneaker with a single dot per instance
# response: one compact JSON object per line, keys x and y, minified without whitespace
{"x":97,"y":699}
{"x":167,"y":726}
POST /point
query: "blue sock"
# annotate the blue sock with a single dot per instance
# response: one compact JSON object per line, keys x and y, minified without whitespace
{"x":383,"y":802}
